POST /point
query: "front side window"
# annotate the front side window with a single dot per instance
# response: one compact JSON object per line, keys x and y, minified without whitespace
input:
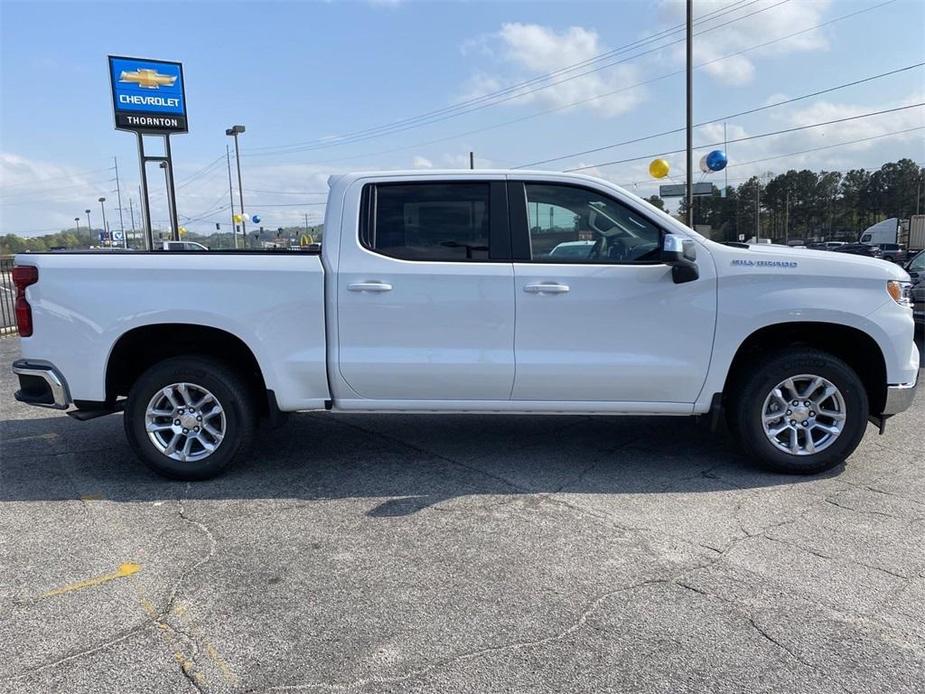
{"x":429,"y":221}
{"x":569,"y":224}
{"x":865,"y":238}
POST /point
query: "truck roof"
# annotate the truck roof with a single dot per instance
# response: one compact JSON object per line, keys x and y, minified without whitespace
{"x":460,"y":173}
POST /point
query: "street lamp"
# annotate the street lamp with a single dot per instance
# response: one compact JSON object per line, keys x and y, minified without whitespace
{"x":77,"y":222}
{"x":89,"y":226}
{"x":234,"y":131}
{"x":103,"y":209}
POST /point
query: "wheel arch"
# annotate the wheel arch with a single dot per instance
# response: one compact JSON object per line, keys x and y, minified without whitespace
{"x":852,"y":345}
{"x":140,"y":348}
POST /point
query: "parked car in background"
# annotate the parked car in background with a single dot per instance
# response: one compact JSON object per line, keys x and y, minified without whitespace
{"x":183,"y":246}
{"x":825,"y":245}
{"x":893,"y":252}
{"x":916,"y":269}
{"x":572,"y":249}
{"x":859,"y":249}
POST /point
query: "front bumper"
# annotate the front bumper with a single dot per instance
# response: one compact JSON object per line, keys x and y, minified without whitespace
{"x":899,"y":398}
{"x":41,"y":384}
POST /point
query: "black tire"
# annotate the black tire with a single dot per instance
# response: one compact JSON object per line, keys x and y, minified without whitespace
{"x":227,"y":387}
{"x":762,"y":375}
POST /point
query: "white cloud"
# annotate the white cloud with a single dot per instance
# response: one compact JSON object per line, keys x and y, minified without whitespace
{"x":528,"y":50}
{"x":422,"y":163}
{"x":775,"y":22}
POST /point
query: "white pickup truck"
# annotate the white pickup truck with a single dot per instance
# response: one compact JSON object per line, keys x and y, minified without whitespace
{"x":440,"y":292}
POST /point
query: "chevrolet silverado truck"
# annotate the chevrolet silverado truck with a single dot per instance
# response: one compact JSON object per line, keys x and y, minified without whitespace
{"x":443,"y":292}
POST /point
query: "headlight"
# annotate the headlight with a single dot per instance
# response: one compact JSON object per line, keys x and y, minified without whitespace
{"x":901,"y":292}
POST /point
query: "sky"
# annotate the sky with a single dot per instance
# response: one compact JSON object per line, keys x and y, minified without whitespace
{"x":329,"y":87}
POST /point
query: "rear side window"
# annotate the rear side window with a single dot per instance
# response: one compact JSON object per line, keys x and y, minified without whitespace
{"x":428,"y":221}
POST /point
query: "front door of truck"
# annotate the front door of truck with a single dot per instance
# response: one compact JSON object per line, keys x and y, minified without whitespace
{"x":424,"y":293}
{"x":599,"y":318}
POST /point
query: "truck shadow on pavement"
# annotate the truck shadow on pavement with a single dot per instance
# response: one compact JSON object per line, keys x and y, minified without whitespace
{"x":396,"y":464}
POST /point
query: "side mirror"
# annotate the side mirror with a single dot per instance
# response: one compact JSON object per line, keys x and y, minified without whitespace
{"x":681,"y":255}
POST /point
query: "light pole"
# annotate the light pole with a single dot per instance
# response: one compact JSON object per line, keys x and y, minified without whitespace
{"x":103,"y":209}
{"x":77,"y":222}
{"x":234,"y":131}
{"x":89,"y":226}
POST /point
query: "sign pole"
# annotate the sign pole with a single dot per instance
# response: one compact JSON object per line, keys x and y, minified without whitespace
{"x":144,"y":202}
{"x":171,"y":192}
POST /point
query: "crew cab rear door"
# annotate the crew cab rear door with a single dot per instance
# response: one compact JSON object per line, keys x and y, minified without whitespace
{"x":425,"y":292}
{"x":608,"y":323}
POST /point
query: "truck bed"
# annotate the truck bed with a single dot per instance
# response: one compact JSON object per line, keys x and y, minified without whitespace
{"x":84,"y":302}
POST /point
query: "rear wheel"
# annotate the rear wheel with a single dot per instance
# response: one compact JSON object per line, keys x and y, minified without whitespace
{"x":801,"y":411}
{"x":189,"y":417}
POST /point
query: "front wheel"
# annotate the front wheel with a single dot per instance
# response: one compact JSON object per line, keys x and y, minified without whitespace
{"x":189,"y":417}
{"x":801,"y":411}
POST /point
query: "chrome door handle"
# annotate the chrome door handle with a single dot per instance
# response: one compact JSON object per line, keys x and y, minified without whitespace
{"x":370,"y":287}
{"x":546,"y":288}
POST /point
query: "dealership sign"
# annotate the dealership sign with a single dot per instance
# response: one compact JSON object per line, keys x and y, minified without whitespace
{"x":148,"y":95}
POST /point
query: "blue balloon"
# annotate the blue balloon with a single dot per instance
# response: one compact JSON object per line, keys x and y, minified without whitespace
{"x":256,"y":218}
{"x":716,"y":160}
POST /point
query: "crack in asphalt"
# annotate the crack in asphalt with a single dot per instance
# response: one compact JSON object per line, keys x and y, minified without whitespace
{"x":761,"y":630}
{"x":77,"y":654}
{"x":469,"y":655}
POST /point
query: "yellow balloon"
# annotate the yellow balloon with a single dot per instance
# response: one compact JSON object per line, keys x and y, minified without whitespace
{"x":659,"y":168}
{"x":237,"y":219}
{"x":182,"y":231}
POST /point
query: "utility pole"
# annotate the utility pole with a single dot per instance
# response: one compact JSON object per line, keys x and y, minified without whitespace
{"x":757,"y":209}
{"x":306,"y":222}
{"x":119,"y":201}
{"x":787,"y":218}
{"x":234,"y":226}
{"x":690,"y":114}
{"x":471,"y":160}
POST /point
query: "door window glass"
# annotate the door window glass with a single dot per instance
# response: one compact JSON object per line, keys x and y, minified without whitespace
{"x":569,"y":224}
{"x":429,"y":221}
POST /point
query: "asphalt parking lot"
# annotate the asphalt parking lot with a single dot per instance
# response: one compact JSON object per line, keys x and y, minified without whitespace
{"x":458,"y":554}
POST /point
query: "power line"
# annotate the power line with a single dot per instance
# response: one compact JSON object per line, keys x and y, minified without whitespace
{"x":489,"y":100}
{"x":726,"y":117}
{"x":752,"y":137}
{"x":287,"y":192}
{"x":55,"y":178}
{"x":847,"y":143}
{"x":297,"y":149}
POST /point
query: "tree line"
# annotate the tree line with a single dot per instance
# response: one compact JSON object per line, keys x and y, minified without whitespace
{"x":809,"y":205}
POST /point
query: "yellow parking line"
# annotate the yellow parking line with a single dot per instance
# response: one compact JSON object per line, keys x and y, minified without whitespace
{"x":126,"y":569}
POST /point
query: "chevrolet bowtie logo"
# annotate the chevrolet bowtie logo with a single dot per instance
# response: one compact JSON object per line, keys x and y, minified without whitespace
{"x":148,"y":78}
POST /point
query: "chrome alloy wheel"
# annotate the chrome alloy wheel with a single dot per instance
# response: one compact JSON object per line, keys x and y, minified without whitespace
{"x":185,"y":422}
{"x":804,"y":414}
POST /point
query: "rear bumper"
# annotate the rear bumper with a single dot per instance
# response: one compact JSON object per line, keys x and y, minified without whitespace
{"x":41,"y":384}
